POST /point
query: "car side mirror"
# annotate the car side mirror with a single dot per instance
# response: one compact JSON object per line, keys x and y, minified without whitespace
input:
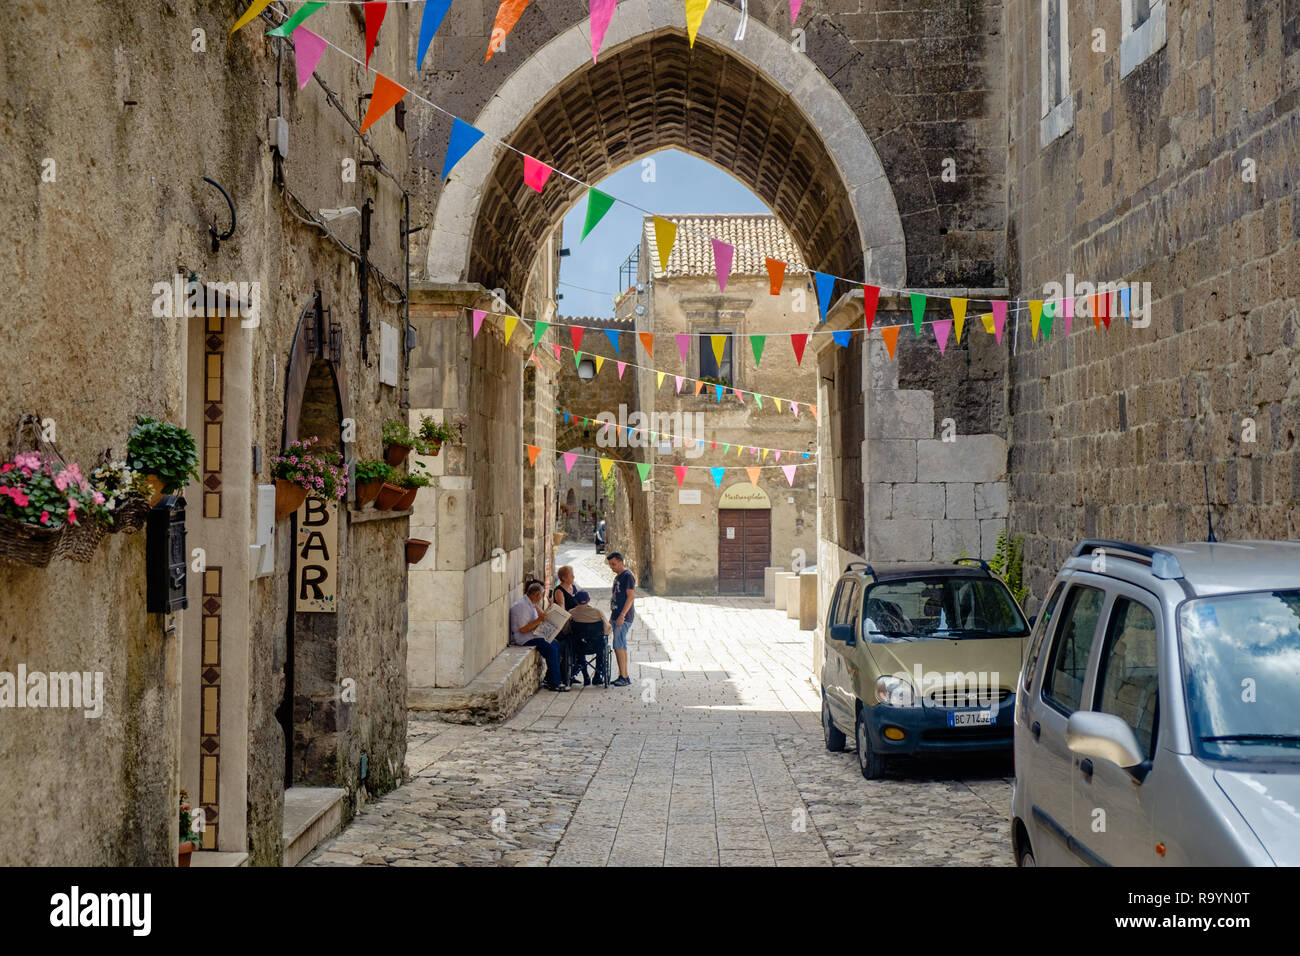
{"x":842,"y":633}
{"x":1104,"y":736}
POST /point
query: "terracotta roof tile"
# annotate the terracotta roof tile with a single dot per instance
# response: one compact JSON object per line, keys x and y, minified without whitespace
{"x":755,"y":238}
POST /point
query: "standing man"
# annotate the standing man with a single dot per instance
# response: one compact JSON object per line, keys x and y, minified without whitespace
{"x":525,"y":617}
{"x":621,"y":613}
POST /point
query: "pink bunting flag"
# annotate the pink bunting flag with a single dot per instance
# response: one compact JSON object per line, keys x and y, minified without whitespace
{"x":621,"y":366}
{"x":536,"y":173}
{"x":478,"y":321}
{"x":1068,"y":303}
{"x":307,"y":51}
{"x":683,"y":345}
{"x":602,"y":11}
{"x":778,"y":454}
{"x":794,"y":10}
{"x":679,"y":383}
{"x":556,"y":349}
{"x":739,"y":394}
{"x":723,"y":254}
{"x":795,"y":406}
{"x":941,"y":329}
{"x":999,"y":319}
{"x":681,"y":473}
{"x":569,"y":459}
{"x":789,"y":473}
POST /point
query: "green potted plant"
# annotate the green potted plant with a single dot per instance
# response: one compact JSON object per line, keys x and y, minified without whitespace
{"x":433,"y":434}
{"x":126,"y":495}
{"x":398,"y":441}
{"x":410,"y":484}
{"x":190,"y":839}
{"x":164,"y":453}
{"x":300,"y":470}
{"x":371,"y":477}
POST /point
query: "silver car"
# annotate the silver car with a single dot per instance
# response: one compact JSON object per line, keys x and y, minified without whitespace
{"x":1157,"y":721}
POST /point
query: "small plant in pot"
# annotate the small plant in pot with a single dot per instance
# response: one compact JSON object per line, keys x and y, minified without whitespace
{"x":126,"y":495}
{"x":410,"y":485}
{"x":164,"y":453}
{"x":190,"y":839}
{"x":302,"y":470}
{"x":398,"y":441}
{"x":42,"y":500}
{"x":433,"y":434}
{"x":371,"y":476}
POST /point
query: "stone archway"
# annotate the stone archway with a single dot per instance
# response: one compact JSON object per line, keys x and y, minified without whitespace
{"x":759,"y":109}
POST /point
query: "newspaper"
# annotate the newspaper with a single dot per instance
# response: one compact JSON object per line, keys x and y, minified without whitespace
{"x":556,"y":618}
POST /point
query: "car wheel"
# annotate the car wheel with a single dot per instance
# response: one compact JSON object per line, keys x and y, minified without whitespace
{"x":870,"y":762}
{"x":834,"y":737}
{"x":1026,"y":857}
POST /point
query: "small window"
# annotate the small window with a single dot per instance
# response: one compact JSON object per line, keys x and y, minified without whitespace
{"x":1041,"y":627}
{"x":1129,"y":684}
{"x":711,"y":367}
{"x":1068,"y":668}
{"x":1144,"y":33}
{"x":1057,"y":104}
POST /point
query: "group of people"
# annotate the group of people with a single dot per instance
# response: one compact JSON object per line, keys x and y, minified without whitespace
{"x":584,"y":633}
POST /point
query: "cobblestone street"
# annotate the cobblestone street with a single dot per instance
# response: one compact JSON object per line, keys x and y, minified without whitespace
{"x":712,"y":757}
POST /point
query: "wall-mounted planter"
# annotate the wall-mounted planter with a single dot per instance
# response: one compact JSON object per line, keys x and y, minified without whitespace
{"x":368,"y":492}
{"x":186,"y":851}
{"x":23,"y":543}
{"x":396,"y":454}
{"x":156,"y":484}
{"x":432,"y":448}
{"x":407,"y":499}
{"x":415,"y":548}
{"x":389,"y":496}
{"x":288,"y":498}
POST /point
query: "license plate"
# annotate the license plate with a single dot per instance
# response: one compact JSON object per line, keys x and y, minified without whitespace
{"x":970,"y":718}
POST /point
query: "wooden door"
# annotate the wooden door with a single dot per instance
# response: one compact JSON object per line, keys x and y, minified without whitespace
{"x":744,"y":549}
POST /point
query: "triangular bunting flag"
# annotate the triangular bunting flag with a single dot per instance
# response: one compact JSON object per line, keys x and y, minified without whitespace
{"x":536,"y":173}
{"x":659,"y":383}
{"x":918,"y":312}
{"x":1035,"y":316}
{"x":825,"y":288}
{"x":717,"y":476}
{"x":642,"y":469}
{"x":598,"y":204}
{"x":374,"y":19}
{"x":778,"y":402}
{"x":575,"y":335}
{"x":555,"y":347}
{"x":621,"y":366}
{"x":890,"y":334}
{"x":799,"y":340}
{"x":569,"y":459}
{"x":647,"y":342}
{"x":694,"y":16}
{"x":717,"y":392}
{"x":958,"y":315}
{"x":600,"y":360}
{"x":1105,"y":309}
{"x":602,"y":11}
{"x":1094,"y":306}
{"x":987,"y":321}
{"x":665,"y":236}
{"x":507,"y":16}
{"x":434,"y":11}
{"x":870,"y":299}
{"x":794,"y":10}
{"x":740,"y":395}
{"x":307,"y":50}
{"x":726,"y":448}
{"x":577,"y":359}
{"x":1049,"y":316}
{"x":606,"y":465}
{"x":775,"y":276}
{"x":612,"y":335}
{"x":533,"y":451}
{"x":383,"y":98}
{"x":719,"y":343}
{"x":778,"y":454}
{"x":301,"y":14}
{"x":539,"y":329}
{"x":679,"y":383}
{"x":789,"y":473}
{"x":680,"y":471}
{"x":763,"y":457}
{"x":758,"y":399}
{"x":753,"y":471}
{"x":1124,"y":299}
{"x":842,"y":337}
{"x":478,"y":321}
{"x":723,"y":255}
{"x":511,"y":322}
{"x":816,"y":416}
{"x":254,"y":10}
{"x":683,"y":345}
{"x":999,"y":319}
{"x":699,"y":385}
{"x":463,"y":138}
{"x":795,"y":407}
{"x":941,"y":329}
{"x":757,"y":342}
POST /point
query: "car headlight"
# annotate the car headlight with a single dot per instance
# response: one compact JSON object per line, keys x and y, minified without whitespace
{"x":895,"y":692}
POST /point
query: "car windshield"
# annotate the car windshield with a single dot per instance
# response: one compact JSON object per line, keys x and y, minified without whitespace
{"x":1241,"y":666}
{"x":944,"y":607}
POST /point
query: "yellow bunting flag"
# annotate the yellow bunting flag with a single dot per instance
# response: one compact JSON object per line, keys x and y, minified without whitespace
{"x":754,"y":471}
{"x":694,"y":16}
{"x":778,"y":402}
{"x":763,"y":457}
{"x":600,"y":360}
{"x":1035,"y":316}
{"x":719,"y":343}
{"x":987,"y":321}
{"x":605,"y":466}
{"x":254,"y":10}
{"x":959,"y":316}
{"x":511,"y":322}
{"x":661,"y":379}
{"x":665,"y":236}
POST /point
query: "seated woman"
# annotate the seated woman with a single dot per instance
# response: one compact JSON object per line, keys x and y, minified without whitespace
{"x":589,"y":630}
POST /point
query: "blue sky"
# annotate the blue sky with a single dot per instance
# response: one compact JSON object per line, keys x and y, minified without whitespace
{"x":682,"y":184}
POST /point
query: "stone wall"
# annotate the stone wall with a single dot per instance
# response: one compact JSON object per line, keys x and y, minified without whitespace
{"x":1180,"y":174}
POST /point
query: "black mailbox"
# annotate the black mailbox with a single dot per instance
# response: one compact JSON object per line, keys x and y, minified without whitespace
{"x":166,"y":560}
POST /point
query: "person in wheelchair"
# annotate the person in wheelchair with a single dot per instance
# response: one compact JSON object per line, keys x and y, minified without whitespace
{"x":589,"y":630}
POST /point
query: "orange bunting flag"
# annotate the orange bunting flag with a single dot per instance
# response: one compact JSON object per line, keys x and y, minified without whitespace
{"x":753,"y":471}
{"x":533,"y":452}
{"x":890,"y":334}
{"x":680,"y":471}
{"x":799,"y":340}
{"x":385,"y":96}
{"x":699,"y":385}
{"x":374,"y":20}
{"x":508,"y":15}
{"x":814,"y":411}
{"x":647,"y":342}
{"x":775,"y":276}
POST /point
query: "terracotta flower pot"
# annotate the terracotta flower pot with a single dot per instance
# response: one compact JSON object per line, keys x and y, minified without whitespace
{"x":433,"y":448}
{"x":156,"y":484}
{"x":389,"y":496}
{"x":407,"y":499}
{"x":396,"y":454}
{"x":186,"y":851}
{"x":288,"y":497}
{"x":368,"y":492}
{"x":415,"y":548}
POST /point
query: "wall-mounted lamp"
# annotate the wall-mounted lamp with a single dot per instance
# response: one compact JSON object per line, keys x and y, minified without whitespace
{"x":219,"y":237}
{"x":329,"y":215}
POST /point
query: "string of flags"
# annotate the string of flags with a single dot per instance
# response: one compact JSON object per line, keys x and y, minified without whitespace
{"x":716,"y":472}
{"x":309,"y":47}
{"x":679,"y":440}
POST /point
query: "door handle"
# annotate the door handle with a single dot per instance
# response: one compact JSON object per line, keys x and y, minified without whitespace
{"x":1036,"y":729}
{"x":1085,"y":767}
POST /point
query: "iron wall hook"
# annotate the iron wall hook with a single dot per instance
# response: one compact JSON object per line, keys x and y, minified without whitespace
{"x":219,"y":238}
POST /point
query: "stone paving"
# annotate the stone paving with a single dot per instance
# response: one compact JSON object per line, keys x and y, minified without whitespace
{"x":713,"y":756}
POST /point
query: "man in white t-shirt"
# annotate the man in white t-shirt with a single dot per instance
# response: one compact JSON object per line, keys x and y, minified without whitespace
{"x":525,"y":617}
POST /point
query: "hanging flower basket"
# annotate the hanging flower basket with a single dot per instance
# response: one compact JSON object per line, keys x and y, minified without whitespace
{"x":432,"y":448}
{"x":22,"y":543}
{"x":394,"y":455}
{"x":415,"y":549}
{"x":370,"y":478}
{"x":368,"y":492}
{"x":80,"y":541}
{"x":388,"y":497}
{"x":288,"y":498}
{"x":130,"y":515}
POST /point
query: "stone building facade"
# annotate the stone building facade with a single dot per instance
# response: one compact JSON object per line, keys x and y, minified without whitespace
{"x":244,"y":700}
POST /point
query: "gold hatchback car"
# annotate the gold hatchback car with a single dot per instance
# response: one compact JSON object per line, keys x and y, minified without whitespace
{"x":921,"y":660}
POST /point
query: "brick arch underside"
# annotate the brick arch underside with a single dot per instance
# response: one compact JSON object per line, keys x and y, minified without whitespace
{"x":652,"y":95}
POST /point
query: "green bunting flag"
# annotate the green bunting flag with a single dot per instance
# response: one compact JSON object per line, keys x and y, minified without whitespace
{"x":1049,"y":313}
{"x":918,"y":312}
{"x":643,"y":469}
{"x":757,"y":341}
{"x":302,"y":13}
{"x":538,"y":331}
{"x":577,"y":359}
{"x":598,"y":204}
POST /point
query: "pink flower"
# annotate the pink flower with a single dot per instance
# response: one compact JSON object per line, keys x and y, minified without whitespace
{"x":21,"y":500}
{"x":97,"y":498}
{"x":72,"y":515}
{"x":45,"y":517}
{"x":61,"y":481}
{"x":6,"y":468}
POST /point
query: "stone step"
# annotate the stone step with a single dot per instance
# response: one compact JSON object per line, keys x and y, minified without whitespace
{"x":218,"y":858}
{"x":495,"y":693}
{"x":311,"y":815}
